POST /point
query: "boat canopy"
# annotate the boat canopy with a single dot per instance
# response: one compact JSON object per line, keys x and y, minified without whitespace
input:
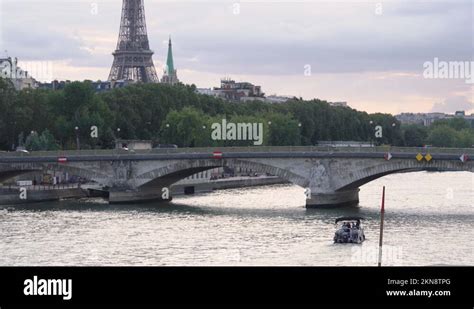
{"x":349,"y":219}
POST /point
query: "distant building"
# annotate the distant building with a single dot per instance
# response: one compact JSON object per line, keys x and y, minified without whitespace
{"x":54,"y":85}
{"x":170,"y":75}
{"x":425,"y":119}
{"x":428,"y":119}
{"x":246,"y":99}
{"x":20,"y":78}
{"x":340,"y":104}
{"x":207,"y":91}
{"x":99,"y":86}
{"x":277,"y":99}
{"x":462,"y":114}
{"x":244,"y":91}
{"x":238,"y":91}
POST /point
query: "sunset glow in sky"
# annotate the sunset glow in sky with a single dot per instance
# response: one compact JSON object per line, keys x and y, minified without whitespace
{"x":368,"y":55}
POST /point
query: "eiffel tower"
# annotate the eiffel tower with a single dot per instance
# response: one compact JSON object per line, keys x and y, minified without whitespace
{"x":133,"y":57}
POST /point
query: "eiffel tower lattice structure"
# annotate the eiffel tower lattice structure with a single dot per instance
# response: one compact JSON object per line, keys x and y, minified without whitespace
{"x":133,"y":57}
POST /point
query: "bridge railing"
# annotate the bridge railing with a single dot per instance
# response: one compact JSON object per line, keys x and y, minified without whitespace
{"x":41,"y":187}
{"x":252,"y":149}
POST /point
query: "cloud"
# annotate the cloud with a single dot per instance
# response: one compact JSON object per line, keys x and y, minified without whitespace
{"x":372,"y":61}
{"x":453,"y":104}
{"x":41,"y":44}
{"x":264,"y":38}
{"x":334,"y":38}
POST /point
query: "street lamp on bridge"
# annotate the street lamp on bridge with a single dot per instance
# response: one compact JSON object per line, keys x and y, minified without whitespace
{"x":78,"y":144}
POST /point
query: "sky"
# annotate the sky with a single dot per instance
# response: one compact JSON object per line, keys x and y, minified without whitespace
{"x":370,"y":54}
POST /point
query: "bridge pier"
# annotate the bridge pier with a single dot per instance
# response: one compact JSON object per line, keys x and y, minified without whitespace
{"x":333,"y":199}
{"x":137,"y":196}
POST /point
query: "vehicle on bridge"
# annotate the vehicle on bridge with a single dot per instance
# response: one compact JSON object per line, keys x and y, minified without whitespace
{"x":165,"y":146}
{"x":350,"y":230}
{"x":21,"y":149}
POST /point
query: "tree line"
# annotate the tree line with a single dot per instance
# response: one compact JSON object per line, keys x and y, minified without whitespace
{"x":56,"y":119}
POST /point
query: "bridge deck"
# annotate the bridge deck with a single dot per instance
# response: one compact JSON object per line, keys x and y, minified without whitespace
{"x":236,"y":152}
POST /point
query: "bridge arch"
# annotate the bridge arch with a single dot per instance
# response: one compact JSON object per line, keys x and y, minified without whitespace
{"x":355,"y":179}
{"x":176,"y":171}
{"x":12,"y":171}
{"x":85,"y":173}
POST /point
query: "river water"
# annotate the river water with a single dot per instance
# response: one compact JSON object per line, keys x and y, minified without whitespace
{"x":429,"y":221}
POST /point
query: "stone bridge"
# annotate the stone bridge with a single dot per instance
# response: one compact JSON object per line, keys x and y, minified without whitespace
{"x":332,"y":175}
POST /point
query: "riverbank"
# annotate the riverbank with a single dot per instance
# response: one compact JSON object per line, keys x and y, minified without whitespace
{"x":35,"y":194}
{"x":225,"y":183}
{"x":13,"y":196}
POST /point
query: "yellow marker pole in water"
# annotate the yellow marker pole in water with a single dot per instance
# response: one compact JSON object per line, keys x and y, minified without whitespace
{"x":382,"y":213}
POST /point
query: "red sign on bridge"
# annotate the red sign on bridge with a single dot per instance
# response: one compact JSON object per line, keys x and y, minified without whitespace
{"x":62,"y":159}
{"x":217,"y":155}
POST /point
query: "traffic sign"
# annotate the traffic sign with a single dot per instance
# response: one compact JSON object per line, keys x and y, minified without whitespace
{"x":388,"y":156}
{"x":419,"y":157}
{"x":428,"y":157}
{"x":62,"y":159}
{"x":464,"y":158}
{"x":217,"y":154}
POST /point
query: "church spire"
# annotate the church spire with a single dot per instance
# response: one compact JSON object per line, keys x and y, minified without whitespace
{"x":170,"y":74}
{"x":169,"y":61}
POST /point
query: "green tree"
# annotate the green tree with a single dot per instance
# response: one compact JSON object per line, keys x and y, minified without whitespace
{"x":141,"y":111}
{"x":43,"y":142}
{"x":186,"y":128}
{"x":8,"y":122}
{"x":466,"y":138}
{"x":414,"y":135}
{"x":455,"y":123}
{"x":443,"y":136}
{"x":284,"y":130}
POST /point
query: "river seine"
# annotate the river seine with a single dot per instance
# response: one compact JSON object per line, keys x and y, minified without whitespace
{"x":429,"y":220}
